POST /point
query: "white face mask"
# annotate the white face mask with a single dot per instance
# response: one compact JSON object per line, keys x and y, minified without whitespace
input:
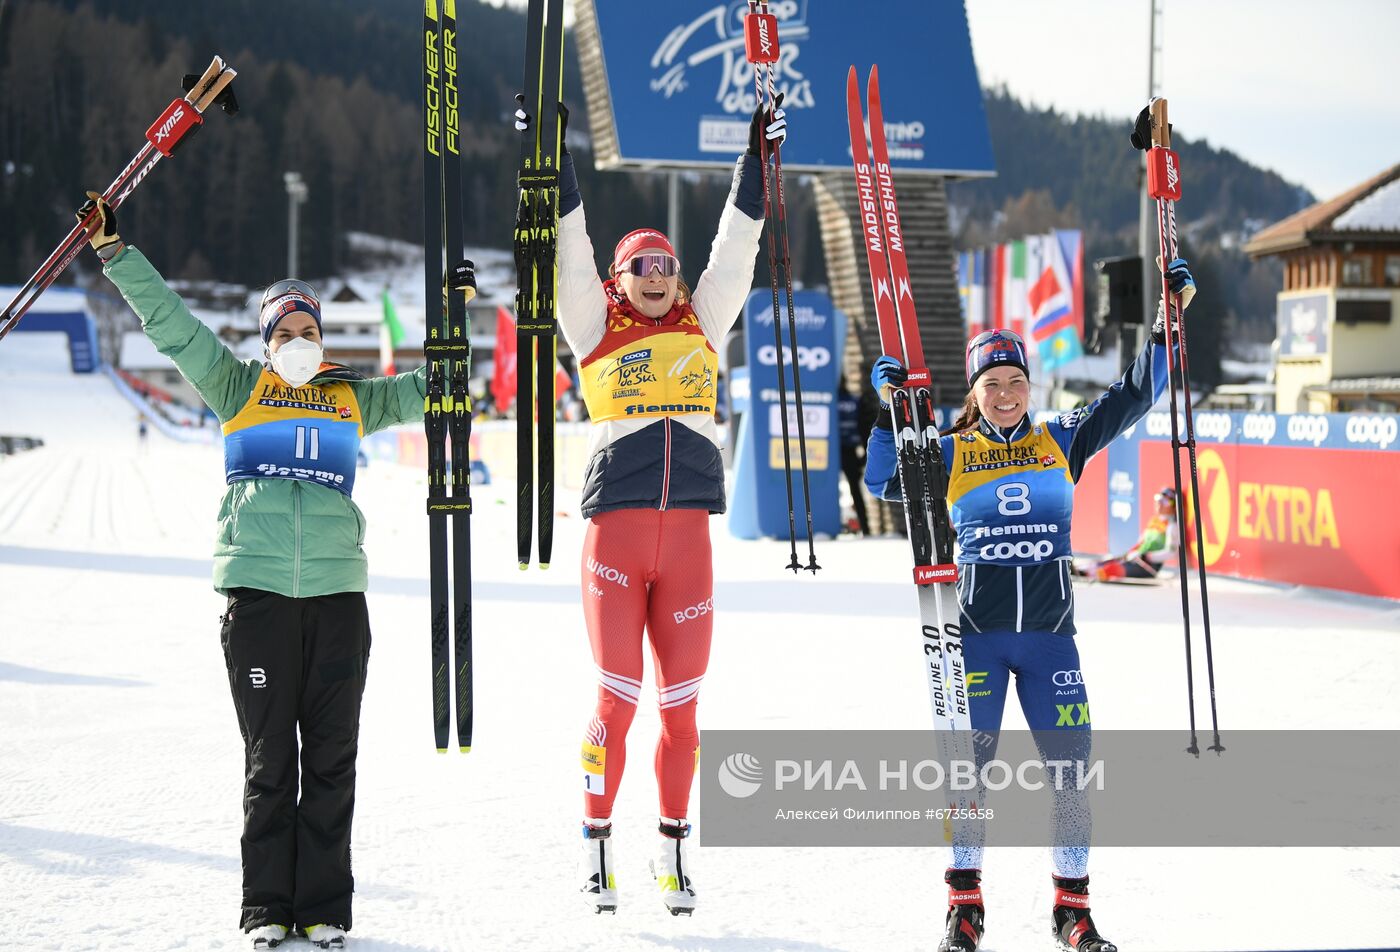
{"x":296,"y":361}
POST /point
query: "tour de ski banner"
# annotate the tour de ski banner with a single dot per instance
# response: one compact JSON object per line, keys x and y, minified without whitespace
{"x":1287,"y":498}
{"x":681,"y":91}
{"x":758,"y":504}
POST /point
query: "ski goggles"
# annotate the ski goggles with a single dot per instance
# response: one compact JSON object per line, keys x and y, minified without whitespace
{"x":643,"y":265}
{"x":290,"y":286}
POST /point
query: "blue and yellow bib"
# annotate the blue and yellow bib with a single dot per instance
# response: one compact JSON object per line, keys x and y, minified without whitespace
{"x":311,"y":433}
{"x":1011,"y":503}
{"x":644,"y":369}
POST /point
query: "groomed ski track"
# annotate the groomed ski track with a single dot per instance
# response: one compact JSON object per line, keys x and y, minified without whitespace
{"x":121,"y":764}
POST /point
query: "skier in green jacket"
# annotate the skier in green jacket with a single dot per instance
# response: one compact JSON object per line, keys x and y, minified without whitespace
{"x":296,"y":631}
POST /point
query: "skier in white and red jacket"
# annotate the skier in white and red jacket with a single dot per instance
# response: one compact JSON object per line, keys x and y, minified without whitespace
{"x":646,"y":347}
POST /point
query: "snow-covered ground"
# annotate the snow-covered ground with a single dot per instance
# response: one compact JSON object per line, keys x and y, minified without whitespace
{"x":121,"y":764}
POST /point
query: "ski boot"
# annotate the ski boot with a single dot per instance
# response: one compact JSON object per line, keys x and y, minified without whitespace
{"x":671,"y":868}
{"x":1073,"y":929}
{"x":324,"y":936}
{"x":966,"y":914}
{"x":599,"y":888}
{"x":268,"y":937}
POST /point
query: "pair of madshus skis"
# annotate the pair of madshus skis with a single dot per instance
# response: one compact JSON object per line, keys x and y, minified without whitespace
{"x":536,"y":241}
{"x":448,"y":284}
{"x":1153,"y":133}
{"x":761,"y":48}
{"x":922,"y":476}
{"x":176,"y":124}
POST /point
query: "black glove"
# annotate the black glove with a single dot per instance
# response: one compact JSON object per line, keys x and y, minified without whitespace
{"x":105,"y":240}
{"x":523,"y":119}
{"x":1142,"y":129}
{"x":464,"y":278}
{"x":772,"y":127}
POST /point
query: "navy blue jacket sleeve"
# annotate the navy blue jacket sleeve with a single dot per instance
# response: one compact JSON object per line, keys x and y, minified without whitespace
{"x":882,"y":463}
{"x":1082,"y":433}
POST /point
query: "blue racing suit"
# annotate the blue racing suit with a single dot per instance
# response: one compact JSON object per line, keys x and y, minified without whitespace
{"x":1011,"y":499}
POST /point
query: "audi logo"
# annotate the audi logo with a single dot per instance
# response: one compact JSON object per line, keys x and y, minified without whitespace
{"x":1259,"y":426}
{"x":1305,"y":428}
{"x":1065,"y":679}
{"x":1371,"y":429}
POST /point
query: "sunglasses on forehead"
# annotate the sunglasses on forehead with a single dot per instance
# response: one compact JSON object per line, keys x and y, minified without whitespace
{"x":644,"y":265}
{"x":289,"y":286}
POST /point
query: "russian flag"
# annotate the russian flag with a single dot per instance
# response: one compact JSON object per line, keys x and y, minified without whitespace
{"x":1052,"y":309}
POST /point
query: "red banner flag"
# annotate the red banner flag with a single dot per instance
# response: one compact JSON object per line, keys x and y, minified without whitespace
{"x":503,"y":379}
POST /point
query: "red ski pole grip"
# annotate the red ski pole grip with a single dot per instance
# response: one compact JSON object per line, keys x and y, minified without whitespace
{"x":173,"y":125}
{"x":761,"y":37}
{"x":1163,"y":174}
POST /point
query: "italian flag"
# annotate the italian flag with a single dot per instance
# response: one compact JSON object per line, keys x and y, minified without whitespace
{"x":391,"y":335}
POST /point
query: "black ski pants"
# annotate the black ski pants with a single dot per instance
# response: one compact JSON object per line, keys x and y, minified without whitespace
{"x":297,"y":663}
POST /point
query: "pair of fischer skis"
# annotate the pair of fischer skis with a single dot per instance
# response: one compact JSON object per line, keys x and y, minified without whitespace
{"x":536,"y":254}
{"x":1164,"y":186}
{"x":761,"y":49}
{"x":447,"y":351}
{"x":172,"y":128}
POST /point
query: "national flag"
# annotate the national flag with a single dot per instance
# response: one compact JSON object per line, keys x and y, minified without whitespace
{"x":1051,"y":304}
{"x":391,"y":335}
{"x":503,"y":377}
{"x":1014,"y":307}
{"x":1072,"y":249}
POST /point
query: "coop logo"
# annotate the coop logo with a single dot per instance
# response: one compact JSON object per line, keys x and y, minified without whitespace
{"x":633,"y":357}
{"x":808,"y":358}
{"x":1121,"y":509}
{"x":1002,"y":551}
{"x":1305,"y":428}
{"x":1121,"y":483}
{"x":694,"y":611}
{"x":740,"y":775}
{"x":1259,"y":426}
{"x":258,"y":677}
{"x":1159,"y":424}
{"x":1213,"y":426}
{"x":1371,"y":429}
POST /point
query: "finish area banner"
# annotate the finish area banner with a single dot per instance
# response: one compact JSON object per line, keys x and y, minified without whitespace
{"x":1306,"y":499}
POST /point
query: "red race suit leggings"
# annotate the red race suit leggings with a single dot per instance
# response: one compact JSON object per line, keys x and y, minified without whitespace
{"x":646,"y":569}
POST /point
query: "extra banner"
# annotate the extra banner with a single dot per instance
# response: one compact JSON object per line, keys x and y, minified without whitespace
{"x":668,"y":84}
{"x":1305,"y":499}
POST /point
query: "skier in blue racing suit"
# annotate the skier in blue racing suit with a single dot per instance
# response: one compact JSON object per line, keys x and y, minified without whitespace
{"x":1010,"y":497}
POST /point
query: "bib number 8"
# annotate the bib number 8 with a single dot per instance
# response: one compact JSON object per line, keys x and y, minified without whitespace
{"x":1013,"y":499}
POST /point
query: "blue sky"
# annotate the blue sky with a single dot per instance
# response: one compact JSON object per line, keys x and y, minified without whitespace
{"x":1306,"y":88}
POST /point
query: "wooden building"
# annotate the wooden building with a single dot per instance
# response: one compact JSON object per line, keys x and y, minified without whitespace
{"x":1338,"y":344}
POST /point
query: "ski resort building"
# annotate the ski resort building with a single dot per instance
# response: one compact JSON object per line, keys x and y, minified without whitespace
{"x":1338,"y":345}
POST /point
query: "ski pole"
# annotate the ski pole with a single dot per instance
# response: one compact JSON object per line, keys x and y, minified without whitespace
{"x":761,"y":42}
{"x":1164,"y":184}
{"x":812,"y":565}
{"x":171,"y":128}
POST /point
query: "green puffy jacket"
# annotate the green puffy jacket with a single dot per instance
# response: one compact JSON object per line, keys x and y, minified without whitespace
{"x":280,"y":535}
